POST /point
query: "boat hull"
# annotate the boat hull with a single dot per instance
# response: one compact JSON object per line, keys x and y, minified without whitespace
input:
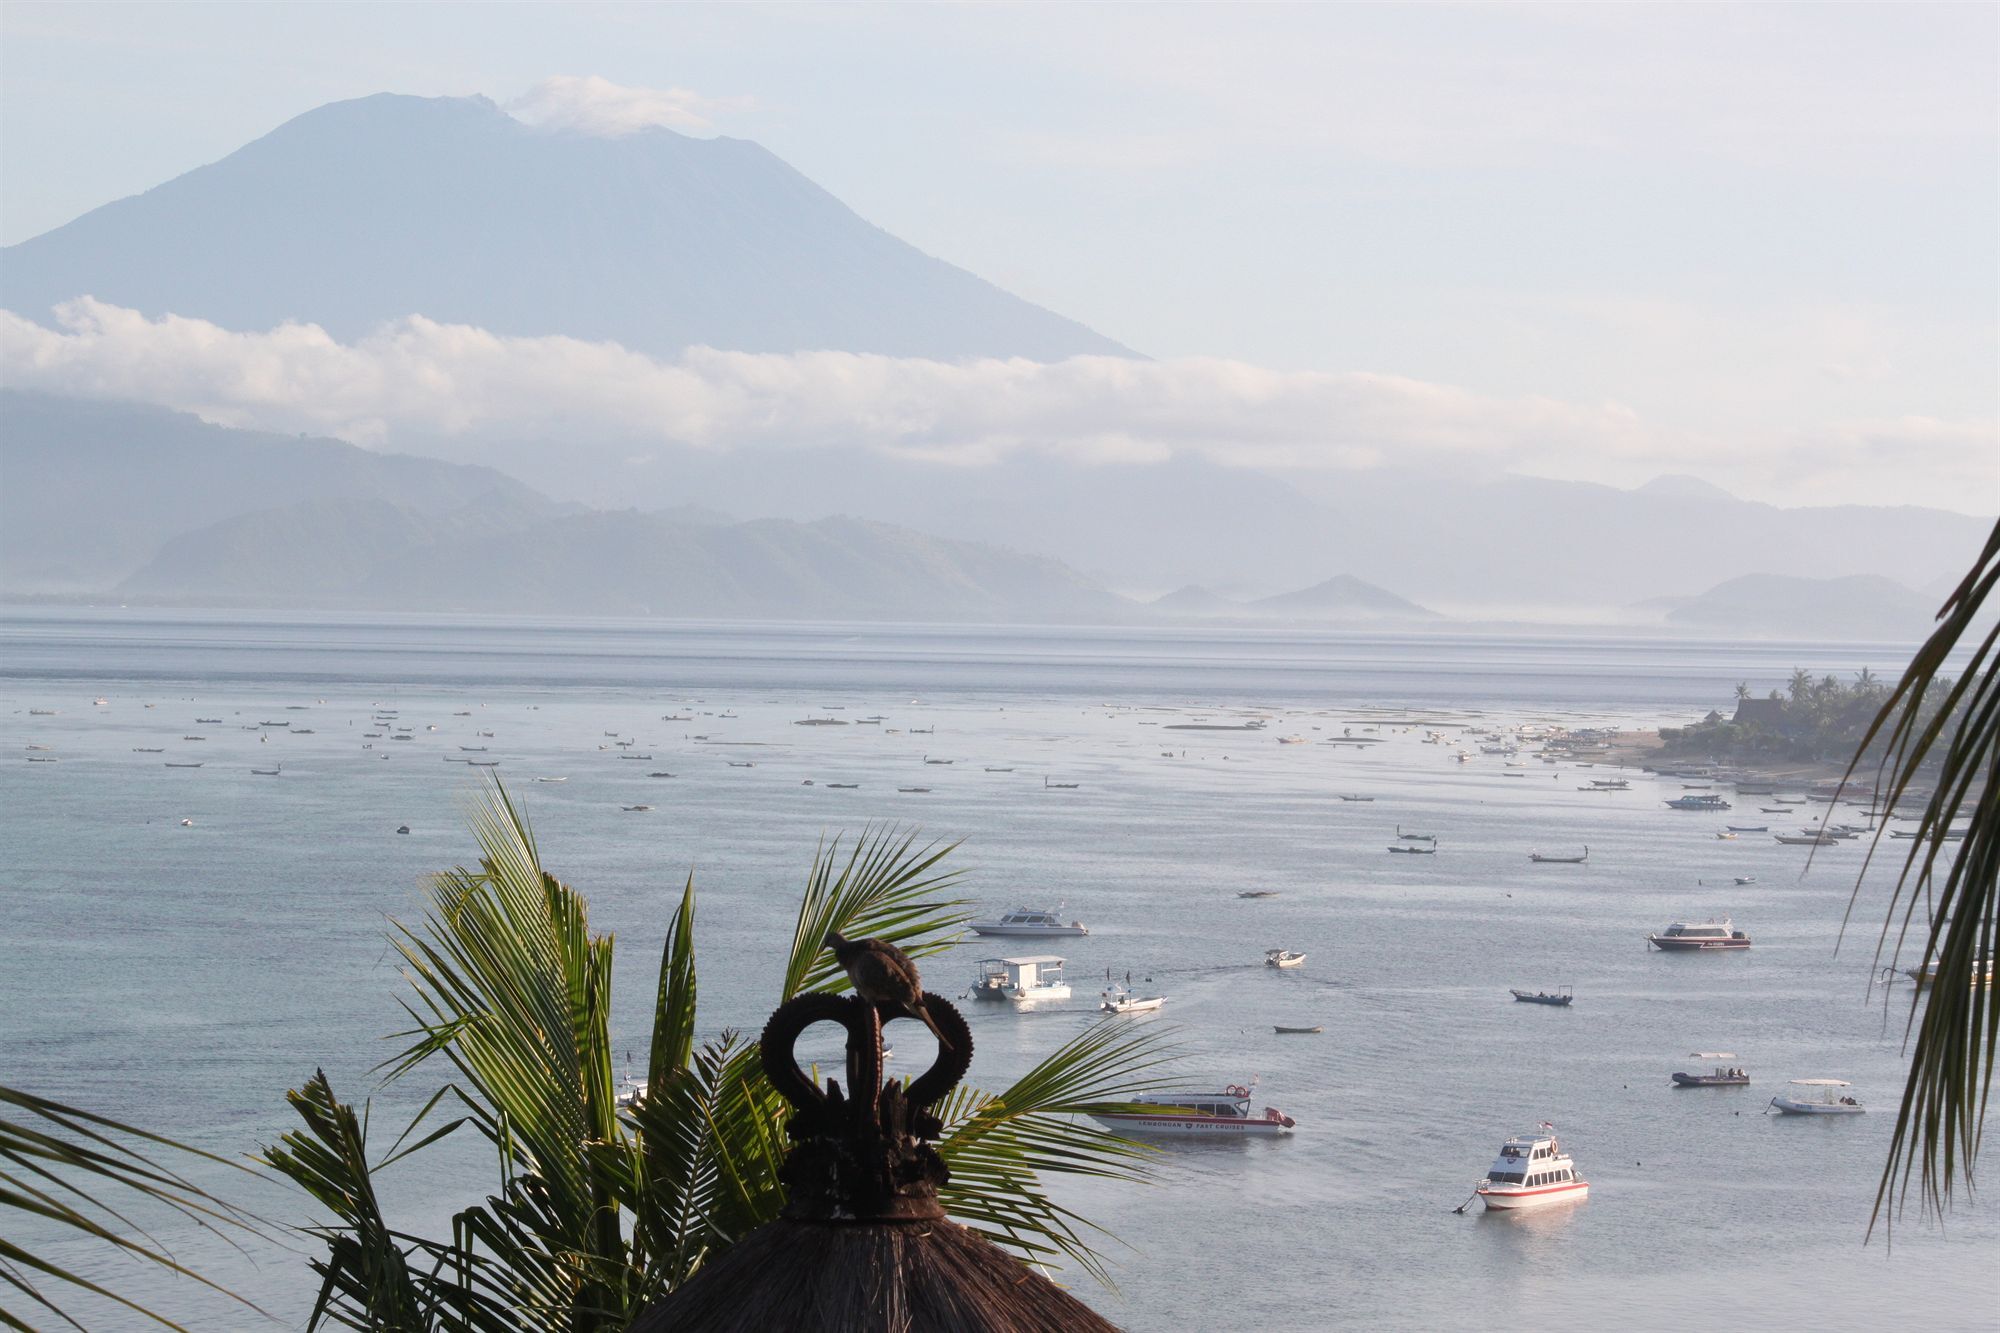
{"x":1785,"y":1107}
{"x":1671,"y":944}
{"x":1505,"y":1200}
{"x":995,"y":928}
{"x":1195,"y":1126}
{"x":1709,"y":1081}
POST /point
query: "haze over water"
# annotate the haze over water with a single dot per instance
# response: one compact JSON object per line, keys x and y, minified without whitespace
{"x":183,"y":977}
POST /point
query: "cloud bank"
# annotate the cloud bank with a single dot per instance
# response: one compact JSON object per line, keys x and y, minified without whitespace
{"x":596,"y":106}
{"x":418,"y":376}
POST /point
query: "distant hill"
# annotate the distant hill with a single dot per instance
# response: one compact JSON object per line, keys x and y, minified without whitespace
{"x":1862,"y":606}
{"x":1342,"y":597}
{"x":1195,"y":600}
{"x":370,"y":210}
{"x":613,"y":563}
{"x":89,"y":490}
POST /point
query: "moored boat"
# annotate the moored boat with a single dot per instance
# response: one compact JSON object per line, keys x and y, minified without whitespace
{"x":1022,"y":980}
{"x":1561,"y":996}
{"x":1030,"y":921}
{"x":1532,"y":1171}
{"x":1706,"y":801}
{"x":1283,"y":958}
{"x":1561,"y":860}
{"x":1723,"y":1076}
{"x":1224,"y":1114}
{"x":1125,"y":1000}
{"x":1689,"y":936}
{"x":1818,"y":1096}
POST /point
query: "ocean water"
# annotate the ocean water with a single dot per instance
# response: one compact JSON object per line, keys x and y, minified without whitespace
{"x":184,"y":976}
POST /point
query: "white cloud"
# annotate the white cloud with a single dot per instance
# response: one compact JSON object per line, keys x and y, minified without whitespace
{"x":422,"y":377}
{"x":597,"y":106}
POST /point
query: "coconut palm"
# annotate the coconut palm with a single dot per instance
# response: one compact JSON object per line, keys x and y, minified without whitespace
{"x":599,"y":1209}
{"x":1945,"y":732}
{"x":60,"y":1164}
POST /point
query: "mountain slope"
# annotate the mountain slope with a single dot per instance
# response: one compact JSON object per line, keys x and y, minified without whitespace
{"x":626,"y":563}
{"x":1342,"y":597}
{"x":1773,"y":606}
{"x":90,"y":489}
{"x":386,"y":206}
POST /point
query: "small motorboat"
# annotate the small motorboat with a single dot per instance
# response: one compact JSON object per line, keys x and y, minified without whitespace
{"x":402,"y":828}
{"x":1748,"y":828}
{"x":1818,"y":1096}
{"x":1726,"y":837}
{"x":1723,"y":1076}
{"x":1124,"y":1000}
{"x":1284,"y":1031}
{"x":912,"y":791}
{"x":1746,"y":879}
{"x":1283,"y":958}
{"x":1562,"y":997}
{"x":1209,"y":1114}
{"x":1560,"y":860}
{"x":1414,"y":837}
{"x":1414,"y":851}
{"x":1532,"y":1170}
{"x":566,"y":779}
{"x":1355,"y":796}
{"x":842,"y":786}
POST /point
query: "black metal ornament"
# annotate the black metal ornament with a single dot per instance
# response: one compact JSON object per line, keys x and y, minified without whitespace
{"x":864,"y":1155}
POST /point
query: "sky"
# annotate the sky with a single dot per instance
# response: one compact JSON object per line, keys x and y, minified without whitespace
{"x":1765,"y":239}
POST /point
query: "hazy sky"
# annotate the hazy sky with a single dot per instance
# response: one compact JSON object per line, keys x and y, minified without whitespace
{"x":1758,"y":229}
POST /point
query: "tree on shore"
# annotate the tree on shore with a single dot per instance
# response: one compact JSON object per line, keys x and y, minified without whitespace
{"x":598,"y":1209}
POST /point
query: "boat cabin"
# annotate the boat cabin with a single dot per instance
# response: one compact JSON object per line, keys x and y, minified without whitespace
{"x":1226,"y":1105}
{"x":1007,"y":978}
{"x":1531,"y":1160}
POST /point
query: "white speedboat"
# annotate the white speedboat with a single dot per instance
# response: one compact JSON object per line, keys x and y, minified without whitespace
{"x":1532,"y":1170}
{"x":1125,"y":1000}
{"x":1283,"y":958}
{"x":1207,"y":1114}
{"x":1029,"y":921}
{"x":1022,"y":980}
{"x":1818,"y":1096}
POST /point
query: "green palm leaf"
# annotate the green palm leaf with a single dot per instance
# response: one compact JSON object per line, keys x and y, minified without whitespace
{"x":1946,"y":733}
{"x":57,"y":1164}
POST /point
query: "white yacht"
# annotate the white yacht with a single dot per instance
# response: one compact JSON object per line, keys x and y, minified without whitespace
{"x":1029,"y":921}
{"x":1818,"y":1096}
{"x":1206,"y":1113}
{"x":1532,"y":1170}
{"x":1022,"y":980}
{"x":1687,"y":936}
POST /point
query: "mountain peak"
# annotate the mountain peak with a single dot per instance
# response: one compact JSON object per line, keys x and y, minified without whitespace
{"x":363,"y":212}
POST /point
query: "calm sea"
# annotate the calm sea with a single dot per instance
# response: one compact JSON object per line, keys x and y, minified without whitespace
{"x":184,"y":976}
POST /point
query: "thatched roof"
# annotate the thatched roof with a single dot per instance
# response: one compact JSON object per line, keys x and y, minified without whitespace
{"x":869,"y":1277}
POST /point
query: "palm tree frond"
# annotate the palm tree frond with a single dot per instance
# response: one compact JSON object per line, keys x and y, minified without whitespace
{"x":887,"y":888}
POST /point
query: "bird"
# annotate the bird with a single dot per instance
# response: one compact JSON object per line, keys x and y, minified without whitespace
{"x":884,"y":976}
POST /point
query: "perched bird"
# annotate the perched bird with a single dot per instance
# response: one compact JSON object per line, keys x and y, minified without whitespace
{"x":884,"y":976}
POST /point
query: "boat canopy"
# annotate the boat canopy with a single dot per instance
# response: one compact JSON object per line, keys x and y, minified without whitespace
{"x":1036,"y":960}
{"x":1822,"y":1083}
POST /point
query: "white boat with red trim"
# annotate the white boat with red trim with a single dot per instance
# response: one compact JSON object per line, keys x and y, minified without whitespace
{"x":1224,"y":1114}
{"x":1531,"y":1171}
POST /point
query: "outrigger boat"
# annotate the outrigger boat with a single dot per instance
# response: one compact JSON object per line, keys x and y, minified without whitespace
{"x":1823,"y":1096}
{"x":1561,"y":860}
{"x":1532,"y":1170}
{"x":1207,"y":1114}
{"x":1725,"y":1076}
